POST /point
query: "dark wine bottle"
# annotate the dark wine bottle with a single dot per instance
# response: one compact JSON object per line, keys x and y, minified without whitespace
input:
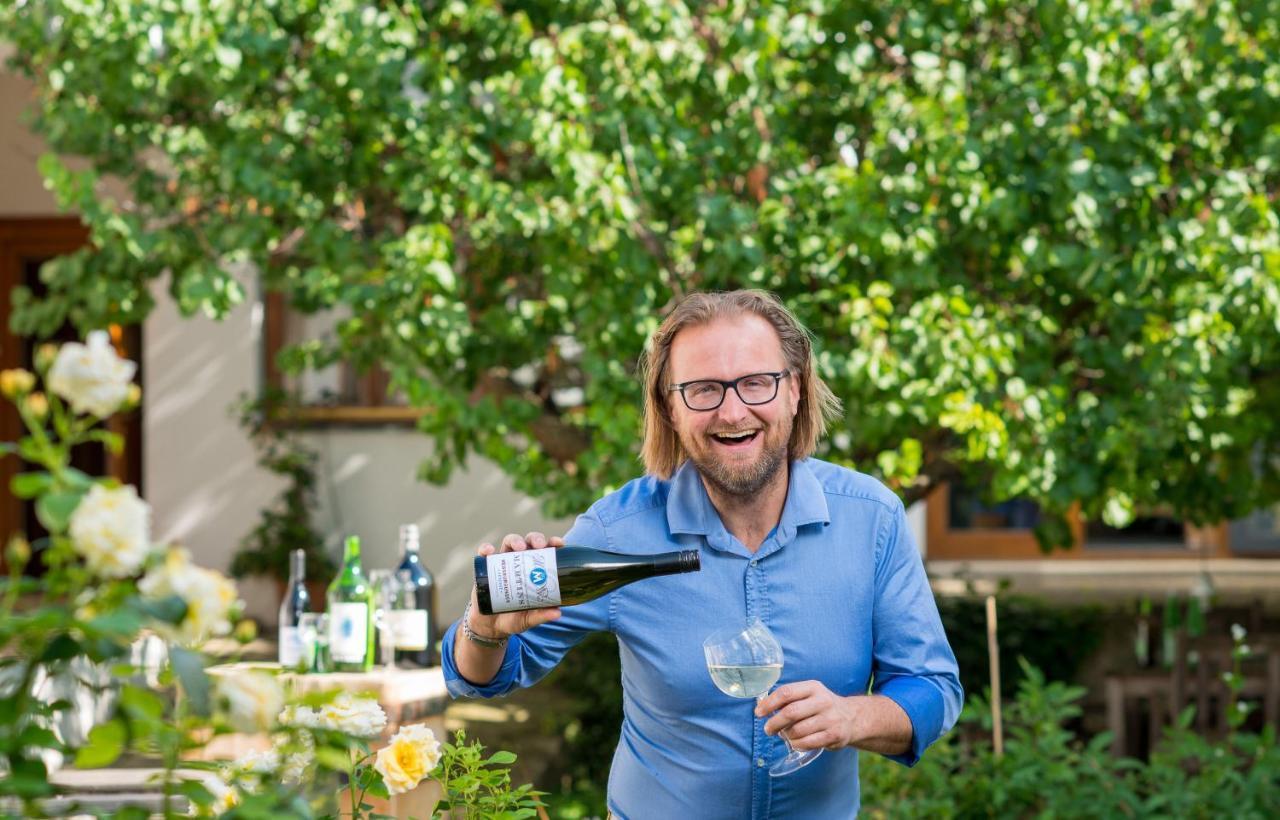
{"x":415,"y":628}
{"x":296,"y":602}
{"x":532,"y":579}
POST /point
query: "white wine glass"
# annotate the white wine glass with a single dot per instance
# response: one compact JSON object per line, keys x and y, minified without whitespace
{"x":745,"y":662}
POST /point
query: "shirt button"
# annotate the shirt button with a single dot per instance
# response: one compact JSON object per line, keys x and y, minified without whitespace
{"x":753,"y":562}
{"x":759,"y":762}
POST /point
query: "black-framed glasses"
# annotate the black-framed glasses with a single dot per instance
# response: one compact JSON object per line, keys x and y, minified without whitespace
{"x":708,"y":394}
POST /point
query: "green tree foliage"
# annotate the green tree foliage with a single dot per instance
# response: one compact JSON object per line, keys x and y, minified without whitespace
{"x":1036,"y":241}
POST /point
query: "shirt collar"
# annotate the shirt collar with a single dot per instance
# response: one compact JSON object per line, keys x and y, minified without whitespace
{"x":690,"y":511}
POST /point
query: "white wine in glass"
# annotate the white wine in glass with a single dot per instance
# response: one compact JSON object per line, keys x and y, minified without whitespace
{"x":745,"y":662}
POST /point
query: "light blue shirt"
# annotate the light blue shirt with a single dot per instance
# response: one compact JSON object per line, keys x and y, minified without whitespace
{"x":839,"y":582}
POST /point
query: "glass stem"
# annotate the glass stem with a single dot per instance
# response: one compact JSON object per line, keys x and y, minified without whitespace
{"x":785,"y":740}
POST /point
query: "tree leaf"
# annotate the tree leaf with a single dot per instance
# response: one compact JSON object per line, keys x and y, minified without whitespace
{"x":54,"y":510}
{"x":189,"y":667}
{"x":105,"y":744}
{"x":170,"y":609}
{"x":29,"y":485}
{"x":62,"y":647}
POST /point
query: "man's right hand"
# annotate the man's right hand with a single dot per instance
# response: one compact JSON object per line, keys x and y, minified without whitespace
{"x":504,"y":624}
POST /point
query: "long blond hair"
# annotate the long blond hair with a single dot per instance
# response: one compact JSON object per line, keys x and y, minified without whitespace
{"x":661,"y":449}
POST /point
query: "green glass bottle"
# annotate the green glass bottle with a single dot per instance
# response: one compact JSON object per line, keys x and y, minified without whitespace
{"x":350,"y":601}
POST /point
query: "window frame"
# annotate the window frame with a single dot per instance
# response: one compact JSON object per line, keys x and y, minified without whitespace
{"x":371,"y":386}
{"x":22,"y":240}
{"x":982,"y":544}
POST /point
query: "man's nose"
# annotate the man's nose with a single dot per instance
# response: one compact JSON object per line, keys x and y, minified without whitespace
{"x":733,"y":408}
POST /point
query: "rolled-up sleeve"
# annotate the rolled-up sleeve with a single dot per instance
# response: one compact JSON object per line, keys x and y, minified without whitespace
{"x":912,"y":662}
{"x":532,"y":654}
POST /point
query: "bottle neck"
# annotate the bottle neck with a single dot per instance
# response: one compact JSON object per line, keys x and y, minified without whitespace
{"x":409,"y":540}
{"x":297,"y":566}
{"x":351,"y":554}
{"x":671,"y":563}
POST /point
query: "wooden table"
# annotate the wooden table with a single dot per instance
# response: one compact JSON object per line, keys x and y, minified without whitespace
{"x":408,"y":696}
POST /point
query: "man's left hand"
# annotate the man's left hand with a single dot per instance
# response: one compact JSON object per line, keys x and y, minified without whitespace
{"x":813,"y":716}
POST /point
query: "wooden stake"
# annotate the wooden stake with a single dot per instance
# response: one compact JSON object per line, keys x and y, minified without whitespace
{"x":993,"y":652}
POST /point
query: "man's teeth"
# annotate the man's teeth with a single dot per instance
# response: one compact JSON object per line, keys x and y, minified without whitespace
{"x":736,"y":436}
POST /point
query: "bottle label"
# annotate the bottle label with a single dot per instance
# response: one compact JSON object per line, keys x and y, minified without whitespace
{"x":290,"y":646}
{"x":408,"y":628}
{"x":523,"y":580}
{"x":348,"y":632}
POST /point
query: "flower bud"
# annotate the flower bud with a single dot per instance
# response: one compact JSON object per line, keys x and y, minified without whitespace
{"x":45,"y":354}
{"x":17,"y":553}
{"x":245,"y":632}
{"x":133,"y":398}
{"x":36,"y":405}
{"x":16,"y":382}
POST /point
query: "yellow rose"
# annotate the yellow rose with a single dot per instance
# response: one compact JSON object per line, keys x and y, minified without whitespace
{"x":410,"y":756}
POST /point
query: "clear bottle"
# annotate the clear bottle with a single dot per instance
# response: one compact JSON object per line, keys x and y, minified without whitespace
{"x":532,"y":579}
{"x":414,"y":618}
{"x":351,"y":614}
{"x":384,"y":586}
{"x":296,"y":603}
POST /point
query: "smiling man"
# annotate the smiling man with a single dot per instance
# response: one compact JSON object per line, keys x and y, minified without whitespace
{"x":820,"y":554}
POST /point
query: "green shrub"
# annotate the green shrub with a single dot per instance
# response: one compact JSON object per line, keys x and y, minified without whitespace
{"x":1046,"y":771}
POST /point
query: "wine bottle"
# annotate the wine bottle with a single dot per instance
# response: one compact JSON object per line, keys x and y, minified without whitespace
{"x":414,"y":619}
{"x":531,"y":579}
{"x":296,"y":602}
{"x":351,"y":614}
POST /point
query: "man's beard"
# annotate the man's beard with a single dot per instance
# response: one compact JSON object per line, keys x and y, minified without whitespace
{"x":742,"y":481}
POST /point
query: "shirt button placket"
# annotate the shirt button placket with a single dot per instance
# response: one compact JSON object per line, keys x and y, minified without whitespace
{"x":759,"y":740}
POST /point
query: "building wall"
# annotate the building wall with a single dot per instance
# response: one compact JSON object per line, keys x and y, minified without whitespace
{"x":207,"y":491}
{"x":22,"y":191}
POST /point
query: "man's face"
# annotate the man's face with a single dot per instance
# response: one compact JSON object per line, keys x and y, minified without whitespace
{"x":725,"y":349}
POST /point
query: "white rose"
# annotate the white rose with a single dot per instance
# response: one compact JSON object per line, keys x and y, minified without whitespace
{"x":111,"y":529}
{"x":225,"y":797}
{"x":297,"y":762}
{"x":285,"y":760}
{"x":410,"y":756}
{"x":91,"y":377}
{"x":302,"y":717}
{"x":358,"y":716}
{"x":253,"y":700}
{"x":210,"y":596}
{"x":257,"y":762}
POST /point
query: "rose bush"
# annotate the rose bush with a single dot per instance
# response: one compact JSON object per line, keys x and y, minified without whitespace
{"x":107,"y":592}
